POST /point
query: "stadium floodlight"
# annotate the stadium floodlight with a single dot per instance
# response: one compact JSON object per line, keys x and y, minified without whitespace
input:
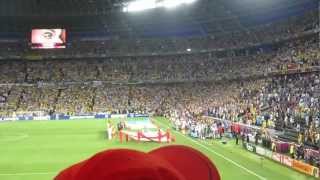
{"x":170,"y":3}
{"x":188,"y":49}
{"x":175,"y":3}
{"x":140,"y":5}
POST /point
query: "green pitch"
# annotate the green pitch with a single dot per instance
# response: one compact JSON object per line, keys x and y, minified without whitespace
{"x":39,"y":150}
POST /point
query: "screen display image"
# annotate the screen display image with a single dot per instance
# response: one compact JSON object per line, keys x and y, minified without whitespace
{"x":48,"y":38}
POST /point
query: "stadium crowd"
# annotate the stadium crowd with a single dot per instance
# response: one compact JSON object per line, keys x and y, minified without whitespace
{"x":58,"y":81}
{"x":273,"y":86}
{"x":230,"y":38}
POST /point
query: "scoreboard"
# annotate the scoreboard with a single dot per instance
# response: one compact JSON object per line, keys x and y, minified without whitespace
{"x":48,"y":38}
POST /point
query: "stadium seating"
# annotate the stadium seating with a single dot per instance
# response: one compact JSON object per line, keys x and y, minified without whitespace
{"x":266,"y":75}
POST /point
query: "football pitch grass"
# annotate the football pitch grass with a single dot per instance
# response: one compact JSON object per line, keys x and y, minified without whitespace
{"x":38,"y":150}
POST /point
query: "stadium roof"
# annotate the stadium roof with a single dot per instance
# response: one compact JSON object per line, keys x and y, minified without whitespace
{"x":107,"y":16}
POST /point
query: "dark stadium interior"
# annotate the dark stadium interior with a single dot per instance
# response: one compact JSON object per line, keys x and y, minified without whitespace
{"x":250,"y":61}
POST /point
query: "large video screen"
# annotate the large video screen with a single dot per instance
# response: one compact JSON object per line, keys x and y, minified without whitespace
{"x":48,"y":38}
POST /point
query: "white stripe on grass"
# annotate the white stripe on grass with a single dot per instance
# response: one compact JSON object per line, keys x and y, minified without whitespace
{"x":218,"y":154}
{"x":15,"y":137}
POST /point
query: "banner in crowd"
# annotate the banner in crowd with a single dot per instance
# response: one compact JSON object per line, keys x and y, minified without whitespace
{"x":283,"y":159}
{"x":277,"y":157}
{"x":305,"y":168}
{"x":261,"y":151}
{"x":68,"y":117}
{"x":287,"y":161}
{"x":137,"y":115}
{"x":33,"y":57}
{"x":3,"y":120}
{"x":250,"y":147}
{"x":59,"y":117}
{"x":268,"y":154}
{"x":82,"y":117}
